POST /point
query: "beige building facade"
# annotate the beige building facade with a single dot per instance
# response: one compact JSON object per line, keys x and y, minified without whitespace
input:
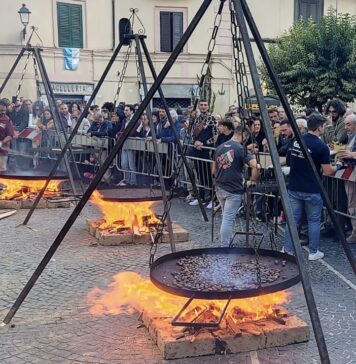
{"x":92,"y":26}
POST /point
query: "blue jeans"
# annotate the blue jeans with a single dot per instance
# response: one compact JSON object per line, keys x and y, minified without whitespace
{"x":128,"y":164}
{"x":312,"y":203}
{"x":230,"y":203}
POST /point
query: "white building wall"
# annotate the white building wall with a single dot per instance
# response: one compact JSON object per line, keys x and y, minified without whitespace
{"x":272,"y":16}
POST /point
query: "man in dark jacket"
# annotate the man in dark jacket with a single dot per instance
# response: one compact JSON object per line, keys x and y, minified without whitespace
{"x":100,"y":127}
{"x":285,"y":140}
{"x":303,"y":190}
{"x":165,"y":134}
{"x":204,"y":132}
{"x":128,"y":156}
{"x":19,"y":116}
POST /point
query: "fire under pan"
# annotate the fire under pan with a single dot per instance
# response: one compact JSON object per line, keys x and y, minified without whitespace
{"x":62,"y":199}
{"x":125,"y":194}
{"x":166,"y":269}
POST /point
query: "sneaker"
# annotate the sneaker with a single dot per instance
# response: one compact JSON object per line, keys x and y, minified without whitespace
{"x":316,"y":256}
{"x":209,"y":205}
{"x":285,"y":252}
{"x":122,"y":183}
{"x":194,"y":203}
{"x":351,"y":239}
{"x":189,"y":198}
{"x":260,"y":217}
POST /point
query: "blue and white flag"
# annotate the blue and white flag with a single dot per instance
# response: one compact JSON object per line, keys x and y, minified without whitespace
{"x":71,"y":58}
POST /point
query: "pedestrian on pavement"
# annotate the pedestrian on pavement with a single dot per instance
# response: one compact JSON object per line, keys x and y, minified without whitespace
{"x":303,"y":189}
{"x":227,"y":169}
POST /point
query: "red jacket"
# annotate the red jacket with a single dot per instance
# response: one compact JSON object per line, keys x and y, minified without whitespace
{"x":6,"y":129}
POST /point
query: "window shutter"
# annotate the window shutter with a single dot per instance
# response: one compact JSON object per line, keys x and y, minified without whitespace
{"x":77,"y":26}
{"x":177,"y":28}
{"x":70,"y":25}
{"x":165,"y":31}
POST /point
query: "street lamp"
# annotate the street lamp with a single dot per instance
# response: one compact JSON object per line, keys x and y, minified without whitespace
{"x":25,"y":18}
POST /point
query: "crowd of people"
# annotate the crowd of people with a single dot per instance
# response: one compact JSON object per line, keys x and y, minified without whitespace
{"x":225,"y":141}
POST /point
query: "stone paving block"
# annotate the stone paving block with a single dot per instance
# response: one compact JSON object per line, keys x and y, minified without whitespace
{"x":52,"y":204}
{"x":10,"y":204}
{"x":27,"y":204}
{"x":107,"y":238}
{"x":276,"y":334}
{"x":253,"y":337}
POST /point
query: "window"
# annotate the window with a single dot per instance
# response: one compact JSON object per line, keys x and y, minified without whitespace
{"x":309,"y":9}
{"x":171,"y":30}
{"x":70,"y":25}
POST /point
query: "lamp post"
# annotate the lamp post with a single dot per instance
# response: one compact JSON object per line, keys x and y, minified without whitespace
{"x":25,"y":18}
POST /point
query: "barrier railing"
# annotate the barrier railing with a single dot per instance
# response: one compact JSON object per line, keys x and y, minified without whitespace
{"x":341,"y":190}
{"x":201,"y":166}
{"x":142,"y":160}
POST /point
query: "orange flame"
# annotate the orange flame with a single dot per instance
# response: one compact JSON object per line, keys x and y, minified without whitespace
{"x":127,"y":215}
{"x":130,"y":292}
{"x":17,"y":189}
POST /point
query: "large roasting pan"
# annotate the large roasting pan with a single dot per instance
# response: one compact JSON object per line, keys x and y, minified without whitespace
{"x":131,"y":194}
{"x":162,"y":269}
{"x":32,"y":175}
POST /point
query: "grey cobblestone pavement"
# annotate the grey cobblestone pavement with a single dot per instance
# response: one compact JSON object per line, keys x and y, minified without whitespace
{"x":54,"y":324}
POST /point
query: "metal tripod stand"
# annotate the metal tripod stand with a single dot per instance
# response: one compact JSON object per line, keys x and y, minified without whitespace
{"x":242,"y":14}
{"x":59,"y":127}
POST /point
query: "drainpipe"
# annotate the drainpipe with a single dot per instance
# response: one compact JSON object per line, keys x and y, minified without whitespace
{"x":113,"y":24}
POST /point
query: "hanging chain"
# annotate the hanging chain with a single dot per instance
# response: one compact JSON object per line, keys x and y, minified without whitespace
{"x":203,"y":73}
{"x":138,"y":73}
{"x":257,"y":260}
{"x":256,"y":244}
{"x":159,"y":232}
{"x":211,"y":47}
{"x":122,"y":74}
{"x":37,"y":78}
{"x":243,"y":93}
{"x":23,"y":75}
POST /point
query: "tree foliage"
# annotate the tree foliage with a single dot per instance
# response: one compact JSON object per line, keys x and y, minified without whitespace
{"x":316,"y":62}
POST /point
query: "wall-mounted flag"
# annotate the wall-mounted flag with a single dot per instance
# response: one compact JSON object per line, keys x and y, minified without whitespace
{"x":71,"y":58}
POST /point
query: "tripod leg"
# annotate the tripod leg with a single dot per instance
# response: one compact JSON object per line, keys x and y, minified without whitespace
{"x":179,"y":147}
{"x":240,"y":17}
{"x":74,"y":132}
{"x":77,"y":210}
{"x":52,"y":106}
{"x":155,"y":145}
{"x":12,"y":69}
{"x":51,"y":94}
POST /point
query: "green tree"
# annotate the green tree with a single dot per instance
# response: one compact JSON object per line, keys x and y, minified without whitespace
{"x":316,"y":62}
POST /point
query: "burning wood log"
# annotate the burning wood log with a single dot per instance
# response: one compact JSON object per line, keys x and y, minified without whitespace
{"x":277,"y":319}
{"x":193,"y":314}
{"x":250,"y":328}
{"x":233,"y":326}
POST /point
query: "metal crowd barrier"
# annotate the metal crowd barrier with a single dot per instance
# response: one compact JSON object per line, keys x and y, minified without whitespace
{"x":144,"y":159}
{"x":201,"y":168}
{"x":85,"y":148}
{"x":341,"y":190}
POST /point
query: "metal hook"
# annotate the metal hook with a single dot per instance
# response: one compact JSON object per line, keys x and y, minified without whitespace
{"x":222,"y":91}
